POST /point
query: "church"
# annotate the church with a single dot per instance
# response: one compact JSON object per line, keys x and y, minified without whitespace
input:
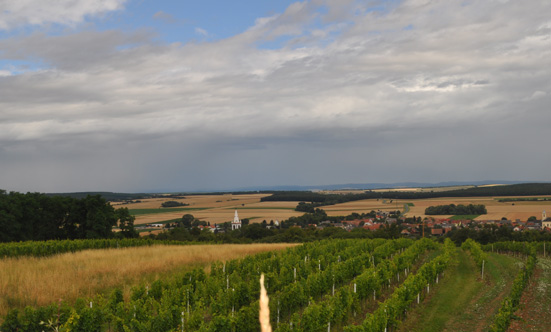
{"x":236,"y":223}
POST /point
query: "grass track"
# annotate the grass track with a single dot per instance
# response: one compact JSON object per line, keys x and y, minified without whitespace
{"x":462,"y":301}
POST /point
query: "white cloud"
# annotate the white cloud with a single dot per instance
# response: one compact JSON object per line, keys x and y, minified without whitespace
{"x":17,"y":13}
{"x":201,"y":32}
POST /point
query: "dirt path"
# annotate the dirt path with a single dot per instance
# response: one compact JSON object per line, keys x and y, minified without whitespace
{"x":535,"y":310}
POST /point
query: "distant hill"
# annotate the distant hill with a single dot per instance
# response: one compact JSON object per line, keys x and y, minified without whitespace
{"x":109,"y":196}
{"x":376,"y":185}
{"x":479,"y":189}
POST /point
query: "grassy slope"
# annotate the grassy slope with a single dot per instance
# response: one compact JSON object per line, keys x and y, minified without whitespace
{"x":534,"y":311}
{"x":462,"y":301}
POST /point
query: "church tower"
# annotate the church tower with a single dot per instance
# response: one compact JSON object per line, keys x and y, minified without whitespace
{"x":236,"y":223}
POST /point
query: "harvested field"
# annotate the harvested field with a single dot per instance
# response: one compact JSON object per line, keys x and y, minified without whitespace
{"x":40,"y":281}
{"x":496,"y":210}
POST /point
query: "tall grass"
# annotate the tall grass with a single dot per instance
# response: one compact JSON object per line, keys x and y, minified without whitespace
{"x":41,"y":281}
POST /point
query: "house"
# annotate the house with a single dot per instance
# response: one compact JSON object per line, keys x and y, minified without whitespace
{"x":437,"y":231}
{"x":372,"y":227}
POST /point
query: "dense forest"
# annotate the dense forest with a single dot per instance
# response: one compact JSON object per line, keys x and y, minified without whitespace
{"x":35,"y":216}
{"x":456,"y":209}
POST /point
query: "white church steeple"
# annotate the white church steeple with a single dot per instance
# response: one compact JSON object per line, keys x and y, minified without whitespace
{"x":236,"y":223}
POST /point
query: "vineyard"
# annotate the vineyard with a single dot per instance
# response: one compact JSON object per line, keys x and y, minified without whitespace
{"x":331,"y":285}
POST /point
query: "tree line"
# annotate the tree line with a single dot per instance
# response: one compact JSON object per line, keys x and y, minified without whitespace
{"x":39,"y":217}
{"x":460,"y":209}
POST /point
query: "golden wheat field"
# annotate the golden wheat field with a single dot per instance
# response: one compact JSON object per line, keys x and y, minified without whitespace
{"x":41,"y":281}
{"x":496,"y":210}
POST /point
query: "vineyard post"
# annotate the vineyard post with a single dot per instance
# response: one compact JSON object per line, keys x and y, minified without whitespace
{"x":428,"y":288}
{"x":182,"y":321}
{"x":188,"y":301}
{"x":277,"y":313}
{"x":354,"y":288}
{"x":482,"y":269}
{"x":329,"y":327}
{"x":418,"y":298}
{"x":90,"y":305}
{"x":374,"y":294}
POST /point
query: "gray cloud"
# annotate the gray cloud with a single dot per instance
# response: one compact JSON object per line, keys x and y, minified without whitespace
{"x":461,"y":94}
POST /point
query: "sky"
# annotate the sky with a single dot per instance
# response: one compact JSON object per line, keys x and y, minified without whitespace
{"x":143,"y":96}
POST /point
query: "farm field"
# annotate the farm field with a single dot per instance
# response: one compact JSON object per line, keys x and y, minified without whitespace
{"x":213,"y":208}
{"x":496,"y":210}
{"x":220,"y":208}
{"x":42,"y":280}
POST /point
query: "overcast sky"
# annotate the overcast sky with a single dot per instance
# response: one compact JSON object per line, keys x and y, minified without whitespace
{"x":140,"y":95}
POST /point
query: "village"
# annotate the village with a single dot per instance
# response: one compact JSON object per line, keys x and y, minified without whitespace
{"x":410,"y":226}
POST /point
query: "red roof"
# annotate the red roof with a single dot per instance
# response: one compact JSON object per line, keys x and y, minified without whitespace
{"x":373,"y":227}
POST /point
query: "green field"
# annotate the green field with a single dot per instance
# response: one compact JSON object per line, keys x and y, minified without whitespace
{"x":465,"y":217}
{"x":261,"y":208}
{"x":138,"y":212}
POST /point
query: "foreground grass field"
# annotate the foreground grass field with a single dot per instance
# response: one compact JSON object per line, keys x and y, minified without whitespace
{"x":41,"y":281}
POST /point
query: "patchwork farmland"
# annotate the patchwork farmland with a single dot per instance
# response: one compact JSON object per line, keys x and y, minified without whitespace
{"x":219,"y":208}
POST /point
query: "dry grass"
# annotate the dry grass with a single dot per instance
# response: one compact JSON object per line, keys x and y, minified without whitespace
{"x":41,"y":281}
